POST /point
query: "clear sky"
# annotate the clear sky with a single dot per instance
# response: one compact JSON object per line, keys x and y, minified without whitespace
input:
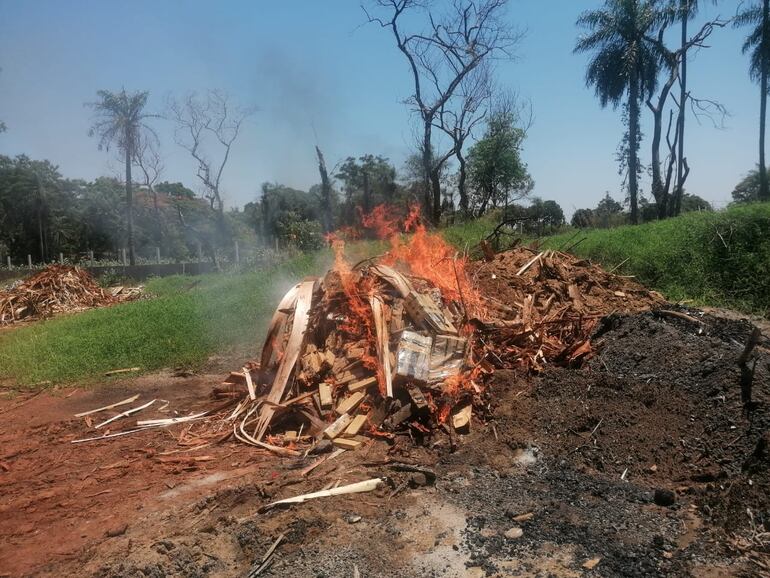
{"x":316,"y":70}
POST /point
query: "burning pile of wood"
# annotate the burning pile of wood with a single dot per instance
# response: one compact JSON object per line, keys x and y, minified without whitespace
{"x":55,"y":289}
{"x":403,"y":344}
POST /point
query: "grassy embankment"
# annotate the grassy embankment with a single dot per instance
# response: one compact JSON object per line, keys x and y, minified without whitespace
{"x":719,"y":259}
{"x":712,"y":258}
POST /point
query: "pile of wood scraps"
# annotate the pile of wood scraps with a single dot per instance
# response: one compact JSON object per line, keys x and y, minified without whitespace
{"x":57,"y":289}
{"x":374,"y":351}
{"x":362,"y":352}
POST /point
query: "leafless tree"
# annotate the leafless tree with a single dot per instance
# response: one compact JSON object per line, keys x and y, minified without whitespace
{"x":204,"y":124}
{"x":147,"y":158}
{"x":326,"y":192}
{"x":440,"y":57}
{"x":459,"y":115}
{"x":672,"y":60}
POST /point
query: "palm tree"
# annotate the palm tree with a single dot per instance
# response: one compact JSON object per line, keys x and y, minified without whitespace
{"x":758,"y":44}
{"x":624,"y":62}
{"x":120,"y":120}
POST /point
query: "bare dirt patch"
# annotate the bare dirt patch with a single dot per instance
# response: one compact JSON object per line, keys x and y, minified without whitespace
{"x":540,"y":490}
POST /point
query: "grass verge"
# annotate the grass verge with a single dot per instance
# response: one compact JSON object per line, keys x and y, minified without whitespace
{"x":188,"y":319}
{"x":713,"y":258}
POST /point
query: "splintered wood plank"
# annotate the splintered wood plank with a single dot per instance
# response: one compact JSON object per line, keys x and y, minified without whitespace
{"x":362,"y":384}
{"x":350,"y":403}
{"x":383,"y":338}
{"x":338,"y":426}
{"x":355,"y":426}
{"x":325,"y":393}
{"x":393,"y":277}
{"x":290,"y":355}
{"x":276,"y":324}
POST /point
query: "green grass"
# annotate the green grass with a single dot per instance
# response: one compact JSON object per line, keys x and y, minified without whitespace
{"x":720,"y":258}
{"x":189,"y":319}
{"x":713,"y":258}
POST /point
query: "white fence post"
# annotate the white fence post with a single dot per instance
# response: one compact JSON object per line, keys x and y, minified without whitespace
{"x":29,"y":261}
{"x":237,"y":254}
{"x":61,"y":258}
{"x":91,"y":257}
{"x":8,"y":259}
{"x":157,"y":254}
{"x":124,"y":256}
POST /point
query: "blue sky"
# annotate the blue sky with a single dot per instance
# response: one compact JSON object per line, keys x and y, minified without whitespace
{"x":315,"y":70}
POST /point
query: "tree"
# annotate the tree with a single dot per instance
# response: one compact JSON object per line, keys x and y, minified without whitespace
{"x":147,"y":158}
{"x":497,"y":174}
{"x":326,"y":193}
{"x":672,"y":61}
{"x":685,"y":10}
{"x":440,"y":58}
{"x":692,"y":203}
{"x":624,"y":62}
{"x":460,"y":115}
{"x":582,"y":219}
{"x":757,"y":43}
{"x":120,"y":120}
{"x":547,"y":214}
{"x":176,"y":190}
{"x":366,"y":182}
{"x":747,"y":191}
{"x":205,"y":123}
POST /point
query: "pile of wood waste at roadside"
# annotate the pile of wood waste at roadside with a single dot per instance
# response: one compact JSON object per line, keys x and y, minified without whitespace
{"x":57,"y":289}
{"x":405,"y":344}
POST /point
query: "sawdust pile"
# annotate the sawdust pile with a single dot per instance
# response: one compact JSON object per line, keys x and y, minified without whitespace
{"x":56,"y":289}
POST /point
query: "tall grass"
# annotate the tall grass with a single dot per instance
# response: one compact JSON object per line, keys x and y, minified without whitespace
{"x":715,"y":258}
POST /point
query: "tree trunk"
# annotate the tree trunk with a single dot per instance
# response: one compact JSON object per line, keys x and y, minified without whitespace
{"x":129,"y":207}
{"x":367,"y":194}
{"x":435,"y":181}
{"x":764,"y":191}
{"x":326,"y":193}
{"x":633,"y":136}
{"x":658,"y":193}
{"x":427,"y":169}
{"x":461,"y":181}
{"x":680,"y":171}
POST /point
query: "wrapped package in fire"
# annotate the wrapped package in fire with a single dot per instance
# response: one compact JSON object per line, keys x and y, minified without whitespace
{"x":413,"y":356}
{"x":429,"y":359}
{"x":447,"y":357}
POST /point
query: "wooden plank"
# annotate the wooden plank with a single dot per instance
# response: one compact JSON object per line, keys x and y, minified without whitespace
{"x":461,"y":419}
{"x":355,"y":426}
{"x":350,"y":403}
{"x":338,"y":426}
{"x":276,"y":324}
{"x":383,"y":338}
{"x":362,"y":384}
{"x":346,"y":443}
{"x":325,"y":393}
{"x":290,"y":355}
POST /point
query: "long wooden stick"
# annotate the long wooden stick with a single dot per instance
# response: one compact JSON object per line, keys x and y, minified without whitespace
{"x":126,"y":413}
{"x":97,"y":410}
{"x":357,"y":488}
